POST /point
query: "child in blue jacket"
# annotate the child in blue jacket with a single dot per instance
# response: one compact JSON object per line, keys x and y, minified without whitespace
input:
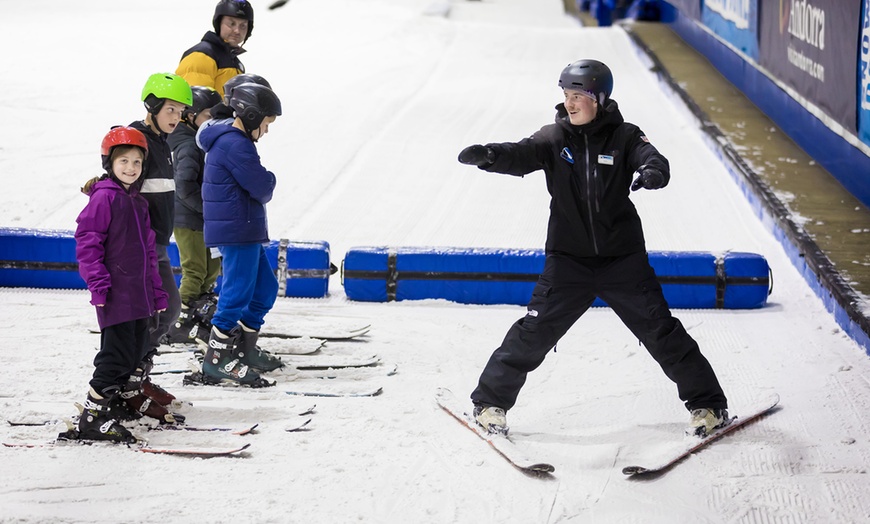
{"x":235,"y":189}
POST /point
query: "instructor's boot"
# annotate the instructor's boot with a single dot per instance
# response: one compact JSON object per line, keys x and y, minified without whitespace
{"x":492,"y":418}
{"x":251,"y":354}
{"x":705,"y":421}
{"x":222,"y":362}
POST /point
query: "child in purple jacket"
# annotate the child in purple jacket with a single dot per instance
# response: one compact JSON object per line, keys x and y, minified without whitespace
{"x":115,"y":249}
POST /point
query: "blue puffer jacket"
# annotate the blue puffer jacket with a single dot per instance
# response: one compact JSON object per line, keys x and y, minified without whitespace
{"x":235,"y":188}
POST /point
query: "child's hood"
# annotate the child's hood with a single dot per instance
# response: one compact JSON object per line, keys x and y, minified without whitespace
{"x":208,"y":136}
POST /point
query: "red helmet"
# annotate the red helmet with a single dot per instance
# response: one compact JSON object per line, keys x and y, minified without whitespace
{"x":122,"y":136}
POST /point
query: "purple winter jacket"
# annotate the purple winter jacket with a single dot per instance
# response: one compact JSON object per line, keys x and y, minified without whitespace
{"x":115,"y":249}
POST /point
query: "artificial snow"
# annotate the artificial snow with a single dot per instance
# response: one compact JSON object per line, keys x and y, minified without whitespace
{"x":379,"y":97}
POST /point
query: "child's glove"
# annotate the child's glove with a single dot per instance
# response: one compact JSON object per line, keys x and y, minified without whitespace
{"x":648,"y":178}
{"x":477,"y":155}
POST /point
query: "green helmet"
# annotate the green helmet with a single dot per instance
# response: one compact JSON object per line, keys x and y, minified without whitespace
{"x":165,"y":86}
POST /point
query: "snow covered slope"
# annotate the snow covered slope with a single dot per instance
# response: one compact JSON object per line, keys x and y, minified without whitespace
{"x":379,"y":97}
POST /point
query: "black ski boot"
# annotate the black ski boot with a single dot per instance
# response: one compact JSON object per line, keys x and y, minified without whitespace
{"x":98,"y":420}
{"x":251,"y":354}
{"x":223,"y":363}
{"x":202,"y":311}
{"x":182,"y":331}
{"x":154,"y":391}
{"x":134,"y":396}
{"x":204,"y":307}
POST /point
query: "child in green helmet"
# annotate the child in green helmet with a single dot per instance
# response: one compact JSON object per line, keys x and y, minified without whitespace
{"x":200,"y":266}
{"x":166,"y":97}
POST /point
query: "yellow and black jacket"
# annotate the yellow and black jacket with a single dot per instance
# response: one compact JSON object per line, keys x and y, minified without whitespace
{"x":210,"y":63}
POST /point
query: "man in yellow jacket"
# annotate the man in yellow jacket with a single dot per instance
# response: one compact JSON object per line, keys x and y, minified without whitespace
{"x":215,"y":59}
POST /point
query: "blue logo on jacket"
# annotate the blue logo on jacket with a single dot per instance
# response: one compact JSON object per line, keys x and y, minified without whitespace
{"x":566,"y":154}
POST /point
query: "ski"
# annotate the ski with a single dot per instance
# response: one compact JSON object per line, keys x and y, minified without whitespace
{"x":329,"y":334}
{"x":295,"y":346}
{"x":336,"y":394}
{"x":315,"y":363}
{"x":202,"y":452}
{"x":501,"y":444}
{"x":352,"y":373}
{"x":197,"y":452}
{"x":307,"y":411}
{"x":301,"y":425}
{"x":332,"y":361}
{"x":195,"y":379}
{"x":245,"y":430}
{"x":300,"y":362}
{"x":696,"y":444}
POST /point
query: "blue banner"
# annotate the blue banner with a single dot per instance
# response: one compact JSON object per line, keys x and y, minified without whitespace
{"x":735,"y":21}
{"x":689,"y":8}
{"x":812,"y":47}
{"x":864,"y":76}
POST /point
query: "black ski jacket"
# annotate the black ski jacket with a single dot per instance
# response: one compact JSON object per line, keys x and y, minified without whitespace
{"x":189,"y":160}
{"x":158,"y":183}
{"x":589,"y":171}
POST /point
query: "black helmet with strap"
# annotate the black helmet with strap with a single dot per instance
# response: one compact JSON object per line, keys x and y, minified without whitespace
{"x":243,"y":78}
{"x":590,"y":76}
{"x":236,"y":8}
{"x":252,"y":103}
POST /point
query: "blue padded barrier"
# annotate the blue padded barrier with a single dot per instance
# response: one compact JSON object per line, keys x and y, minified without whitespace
{"x":303,"y":268}
{"x":507,"y":276}
{"x":43,"y":258}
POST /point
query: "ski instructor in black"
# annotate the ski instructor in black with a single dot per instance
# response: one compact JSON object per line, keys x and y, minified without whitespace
{"x":595,"y":248}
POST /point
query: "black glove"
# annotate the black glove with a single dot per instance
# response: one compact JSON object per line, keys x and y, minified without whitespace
{"x":648,"y":178}
{"x":477,"y":155}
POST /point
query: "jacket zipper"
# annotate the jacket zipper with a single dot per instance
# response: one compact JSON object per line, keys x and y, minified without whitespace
{"x":590,"y":194}
{"x":143,"y":243}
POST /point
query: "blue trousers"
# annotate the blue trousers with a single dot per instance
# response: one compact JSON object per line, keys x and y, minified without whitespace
{"x":249,"y":287}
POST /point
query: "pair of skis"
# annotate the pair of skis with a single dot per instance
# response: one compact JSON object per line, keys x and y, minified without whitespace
{"x":506,"y":448}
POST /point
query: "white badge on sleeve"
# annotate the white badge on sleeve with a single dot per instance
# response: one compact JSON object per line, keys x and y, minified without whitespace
{"x":607,"y":160}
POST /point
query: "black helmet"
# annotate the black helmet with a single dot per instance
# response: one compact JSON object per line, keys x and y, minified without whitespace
{"x":236,"y":8}
{"x":591,"y":76}
{"x":252,"y":103}
{"x":204,"y":98}
{"x":243,"y":78}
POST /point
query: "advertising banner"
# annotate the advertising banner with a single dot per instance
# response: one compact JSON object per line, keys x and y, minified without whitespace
{"x":812,"y":46}
{"x":864,"y":76}
{"x":735,"y":21}
{"x":690,"y":8}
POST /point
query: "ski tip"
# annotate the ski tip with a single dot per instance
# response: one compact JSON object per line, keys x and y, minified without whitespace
{"x":634,"y":470}
{"x":540,"y":468}
{"x":247,"y":431}
{"x":303,"y":426}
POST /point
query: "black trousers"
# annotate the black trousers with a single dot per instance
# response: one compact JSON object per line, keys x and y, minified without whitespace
{"x":122,"y":348}
{"x":565,"y":290}
{"x":167,"y":318}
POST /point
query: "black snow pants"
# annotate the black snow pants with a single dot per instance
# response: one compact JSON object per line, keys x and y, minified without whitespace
{"x":565,"y":290}
{"x":122,"y":348}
